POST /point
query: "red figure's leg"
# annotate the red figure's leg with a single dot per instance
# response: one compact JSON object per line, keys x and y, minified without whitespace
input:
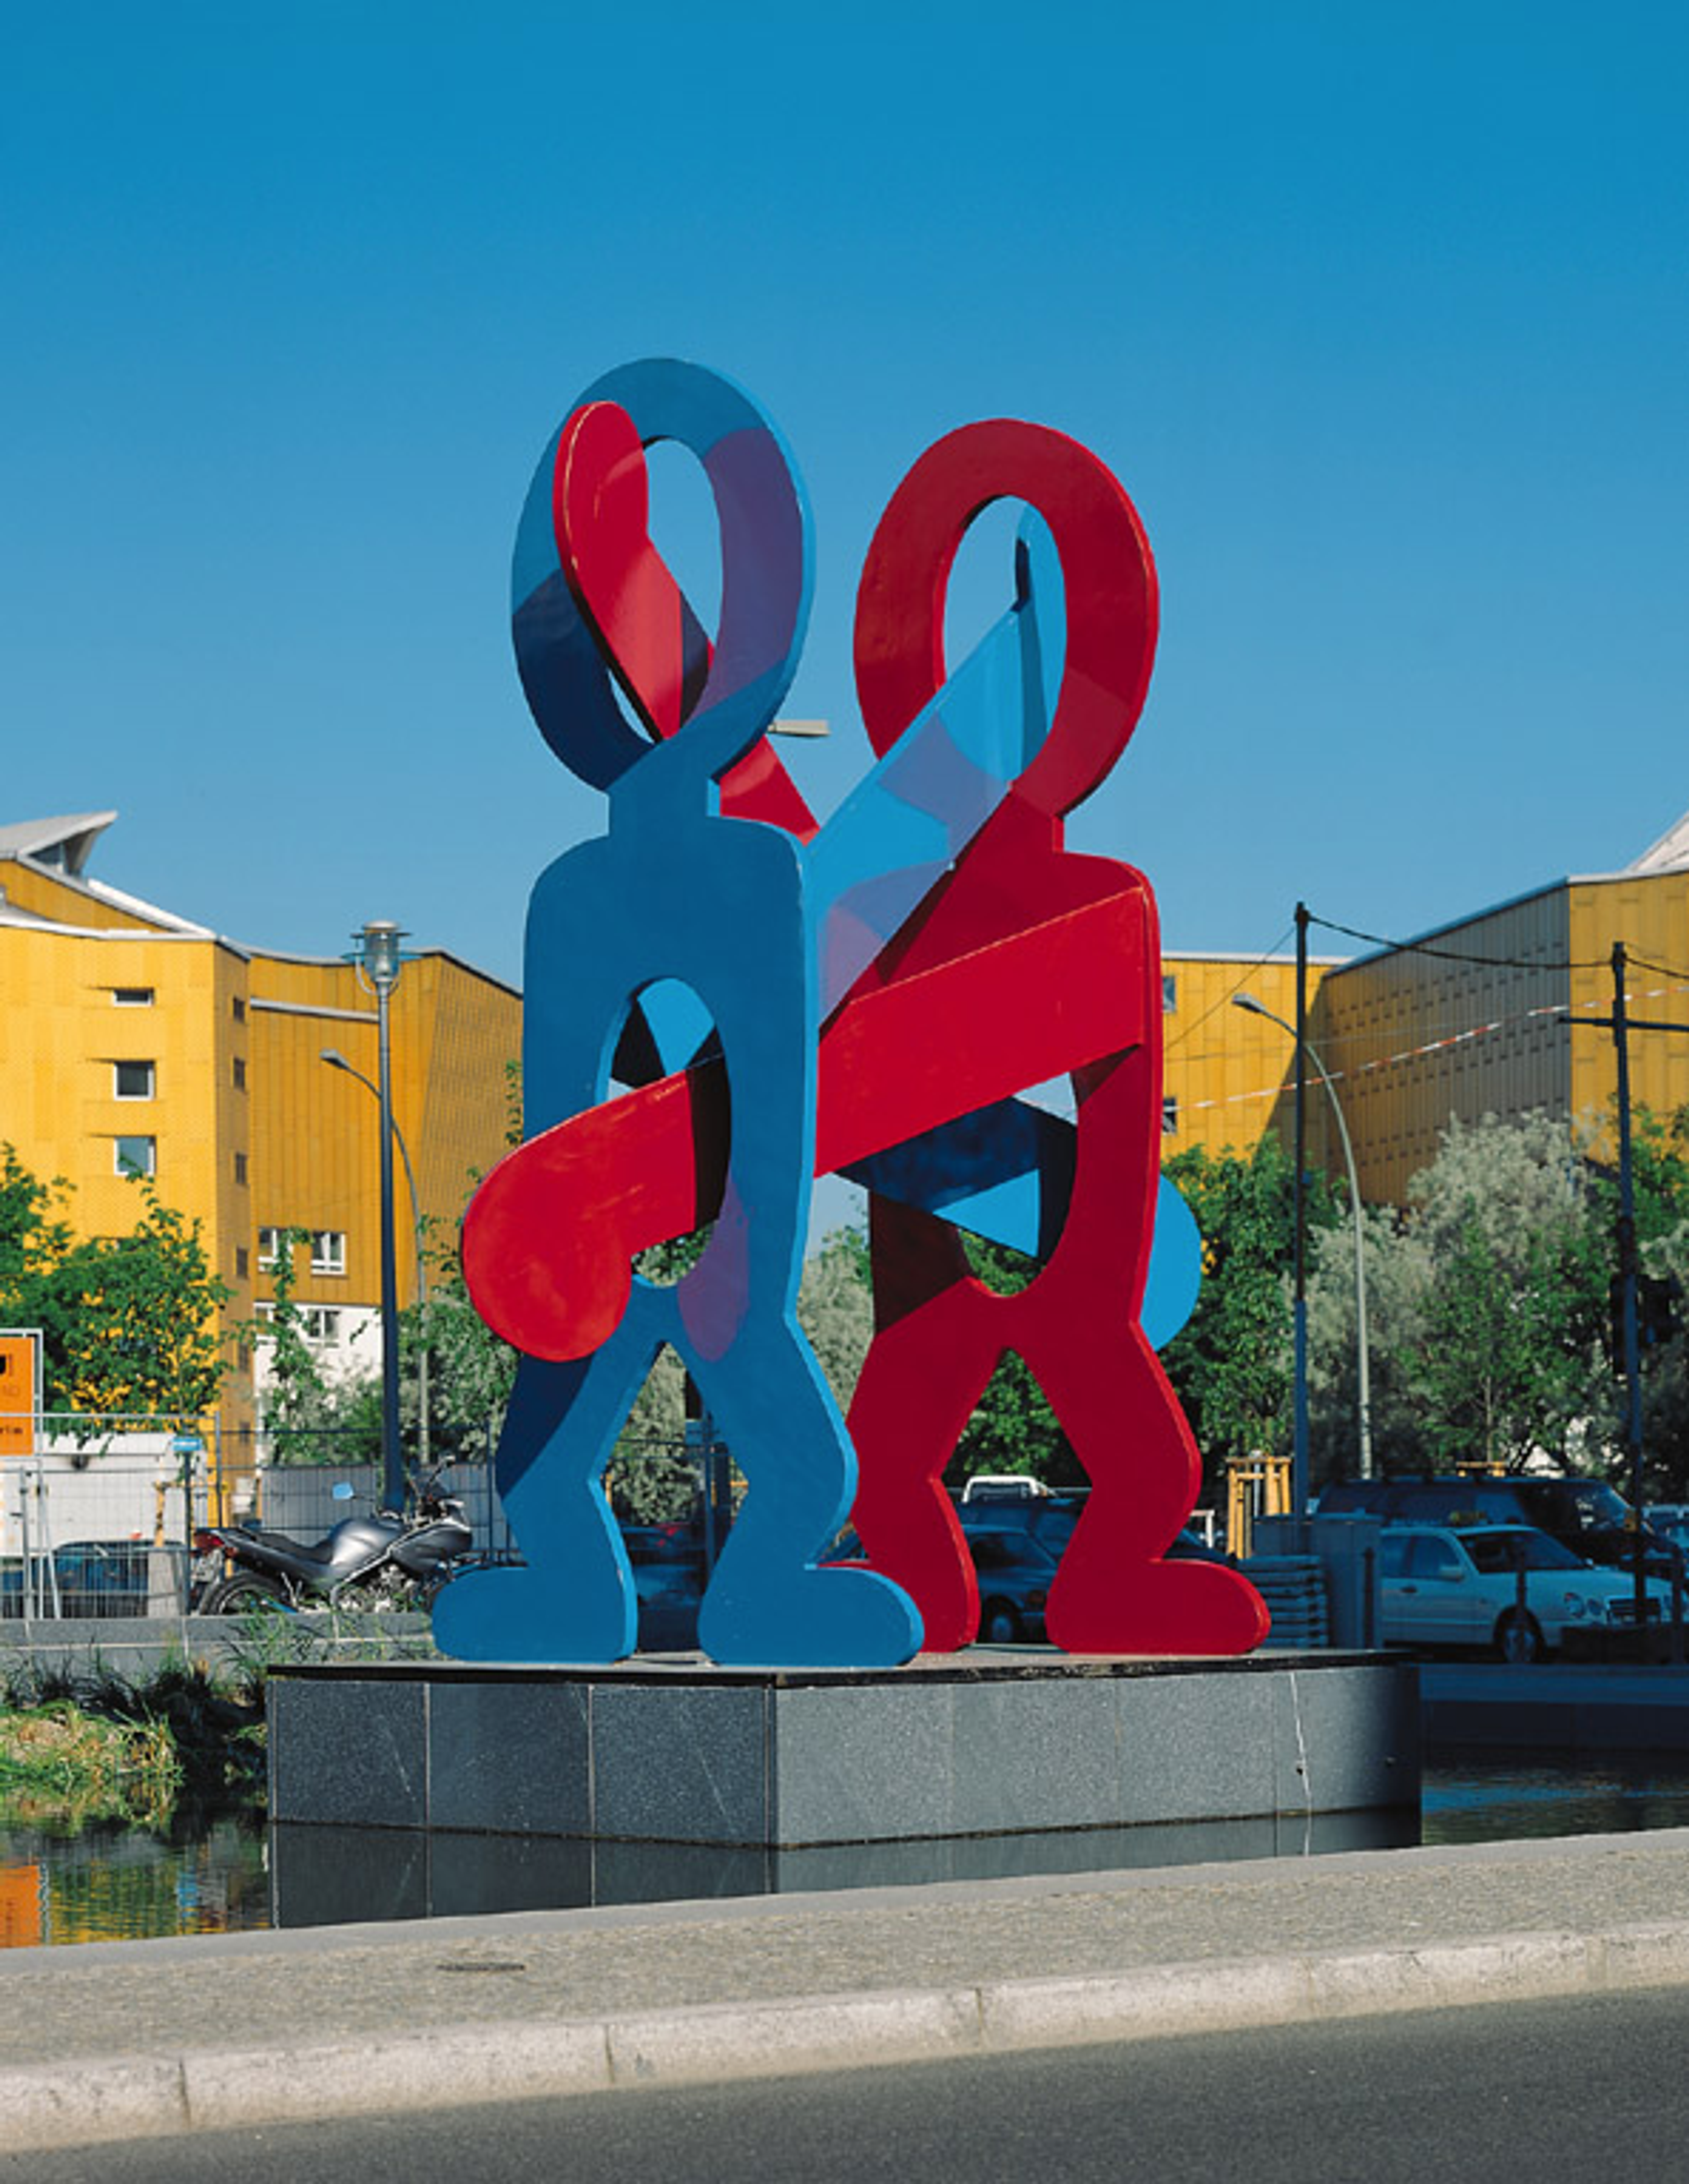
{"x":1112,"y":1593}
{"x":928,"y":1360}
{"x":1077,"y":1327}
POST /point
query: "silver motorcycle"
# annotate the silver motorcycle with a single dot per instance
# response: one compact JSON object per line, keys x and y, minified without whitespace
{"x":383,"y":1560}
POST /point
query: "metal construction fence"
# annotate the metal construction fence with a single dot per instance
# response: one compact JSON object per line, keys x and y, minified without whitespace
{"x":98,"y":1516}
{"x":97,"y":1512}
{"x":299,"y":1499}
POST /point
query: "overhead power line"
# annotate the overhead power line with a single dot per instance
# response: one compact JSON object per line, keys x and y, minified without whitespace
{"x":1457,"y":955}
{"x":1245,"y":972}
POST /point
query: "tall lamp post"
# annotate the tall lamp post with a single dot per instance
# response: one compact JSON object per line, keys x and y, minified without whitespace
{"x":336,"y":1060}
{"x":378,"y":957}
{"x":1248,"y":1002}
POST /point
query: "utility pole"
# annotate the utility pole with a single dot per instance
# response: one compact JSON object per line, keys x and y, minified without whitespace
{"x":1621,"y":1024}
{"x":1627,"y":1279}
{"x":1299,"y":1464}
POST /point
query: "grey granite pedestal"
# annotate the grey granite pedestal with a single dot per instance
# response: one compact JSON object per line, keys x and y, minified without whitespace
{"x":985,"y":1744}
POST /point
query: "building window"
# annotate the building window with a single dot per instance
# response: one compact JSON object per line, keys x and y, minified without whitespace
{"x":133,"y":1080}
{"x":239,"y":1008}
{"x":1170,"y":992}
{"x":240,"y":1074}
{"x":136,"y":1156}
{"x":1170,"y":1116}
{"x":269,"y":1246}
{"x":240,"y":1168}
{"x":328,"y":1251}
{"x":243,"y":1263}
{"x":317,"y":1323}
{"x":132,"y":997}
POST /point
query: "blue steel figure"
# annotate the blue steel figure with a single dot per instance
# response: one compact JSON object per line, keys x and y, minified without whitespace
{"x":675,"y":892}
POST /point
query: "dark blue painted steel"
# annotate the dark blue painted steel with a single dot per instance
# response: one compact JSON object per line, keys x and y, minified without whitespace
{"x":674,"y":892}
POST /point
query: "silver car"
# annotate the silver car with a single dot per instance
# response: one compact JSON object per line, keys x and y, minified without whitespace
{"x":1446,"y":1586}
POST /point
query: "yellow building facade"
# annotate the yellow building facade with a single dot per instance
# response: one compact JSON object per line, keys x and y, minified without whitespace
{"x":134,"y":1042}
{"x":1227,"y":1075}
{"x":1472,"y":1020}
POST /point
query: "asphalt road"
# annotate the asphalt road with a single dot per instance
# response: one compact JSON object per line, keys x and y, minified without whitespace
{"x":1523,"y":2094}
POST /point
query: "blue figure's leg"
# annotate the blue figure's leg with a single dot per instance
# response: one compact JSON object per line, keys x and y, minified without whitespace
{"x":575,"y":1599}
{"x":738,"y":905}
{"x":718,"y":907}
{"x":767,"y":1601}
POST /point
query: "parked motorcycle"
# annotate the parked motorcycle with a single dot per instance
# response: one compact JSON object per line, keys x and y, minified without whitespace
{"x":382,"y":1560}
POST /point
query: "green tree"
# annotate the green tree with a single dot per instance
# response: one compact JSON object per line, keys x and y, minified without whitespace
{"x":1508,"y":1358}
{"x":129,"y":1323}
{"x":34,"y":1242}
{"x":1487,"y":1302}
{"x":301,"y":1412}
{"x":470,"y":1372}
{"x":145,"y":1337}
{"x":1501,"y":1371}
{"x":1231,"y":1363}
{"x":836,"y":1309}
{"x":1399,"y":1282}
{"x":1660,"y":1152}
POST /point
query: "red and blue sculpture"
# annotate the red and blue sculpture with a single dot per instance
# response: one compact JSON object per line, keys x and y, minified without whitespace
{"x":871,"y":996}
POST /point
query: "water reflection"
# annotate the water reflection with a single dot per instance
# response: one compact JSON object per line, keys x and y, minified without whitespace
{"x":326,"y":1874}
{"x":209,"y":1869}
{"x":1543,"y":1796}
{"x":204,"y":1871}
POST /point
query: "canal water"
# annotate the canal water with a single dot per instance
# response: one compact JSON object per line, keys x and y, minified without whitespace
{"x":208,"y":1870}
{"x":205,"y":1871}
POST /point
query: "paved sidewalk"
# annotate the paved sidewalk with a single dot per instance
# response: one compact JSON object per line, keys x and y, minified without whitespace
{"x":121,"y":2039}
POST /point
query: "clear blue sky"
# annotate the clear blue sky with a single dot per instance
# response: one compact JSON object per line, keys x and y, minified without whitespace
{"x":1380,"y":314}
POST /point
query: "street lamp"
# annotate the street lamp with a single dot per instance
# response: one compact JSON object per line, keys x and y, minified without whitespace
{"x":1248,"y":1002}
{"x":336,"y":1060}
{"x":378,"y":957}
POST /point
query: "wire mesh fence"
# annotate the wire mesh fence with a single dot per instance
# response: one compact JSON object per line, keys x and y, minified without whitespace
{"x":98,"y":1518}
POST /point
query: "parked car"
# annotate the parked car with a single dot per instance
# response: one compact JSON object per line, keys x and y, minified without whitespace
{"x":1458,"y":1585}
{"x":668,"y":1576}
{"x":1671,"y":1520}
{"x":1017,"y":1548}
{"x":86,"y":1578}
{"x":1016,"y":1565}
{"x":1585,"y":1514}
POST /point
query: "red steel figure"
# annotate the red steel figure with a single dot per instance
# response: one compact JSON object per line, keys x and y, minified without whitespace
{"x":940,"y":1333}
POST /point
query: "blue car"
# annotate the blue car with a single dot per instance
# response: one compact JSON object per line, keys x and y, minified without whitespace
{"x":88,"y":1577}
{"x":1017,"y":1543}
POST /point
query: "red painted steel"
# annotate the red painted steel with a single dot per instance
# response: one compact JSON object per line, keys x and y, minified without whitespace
{"x":1024,"y":963}
{"x":940,"y":1333}
{"x":649,"y":1165}
{"x":600,"y":503}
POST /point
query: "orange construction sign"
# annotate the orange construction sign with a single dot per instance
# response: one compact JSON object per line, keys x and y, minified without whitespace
{"x":19,"y":1391}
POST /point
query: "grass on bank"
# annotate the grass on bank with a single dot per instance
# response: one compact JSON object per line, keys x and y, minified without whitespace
{"x":87,"y":1742}
{"x":57,"y":1760}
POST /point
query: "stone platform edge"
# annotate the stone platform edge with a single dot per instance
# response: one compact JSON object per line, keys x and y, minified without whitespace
{"x":685,"y":1753}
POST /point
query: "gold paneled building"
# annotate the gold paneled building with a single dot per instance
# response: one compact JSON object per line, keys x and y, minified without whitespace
{"x":1226,"y":1075}
{"x":133,"y":1042}
{"x":1464,"y":1020}
{"x":1470,"y":1021}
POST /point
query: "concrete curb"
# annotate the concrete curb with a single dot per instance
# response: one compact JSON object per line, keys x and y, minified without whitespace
{"x":89,"y":2100}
